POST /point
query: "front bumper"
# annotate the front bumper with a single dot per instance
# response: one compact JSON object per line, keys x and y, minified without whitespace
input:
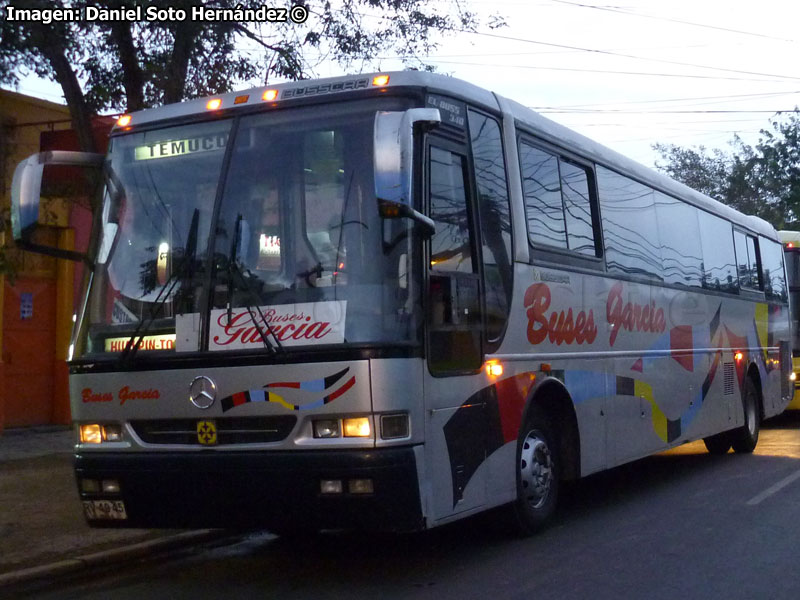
{"x":274,"y":490}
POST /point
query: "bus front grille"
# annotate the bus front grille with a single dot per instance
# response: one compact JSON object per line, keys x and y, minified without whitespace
{"x":240,"y":430}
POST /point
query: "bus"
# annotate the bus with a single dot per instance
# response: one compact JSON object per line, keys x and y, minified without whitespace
{"x":791,"y":253}
{"x":393,"y":301}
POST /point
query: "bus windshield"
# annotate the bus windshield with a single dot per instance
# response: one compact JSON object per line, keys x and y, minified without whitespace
{"x":261,"y":233}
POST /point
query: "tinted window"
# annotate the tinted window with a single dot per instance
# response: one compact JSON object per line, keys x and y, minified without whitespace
{"x":629,"y":225}
{"x":746,"y":260}
{"x":772,"y":267}
{"x":752,"y":253}
{"x":542,"y":189}
{"x":450,"y":247}
{"x":577,"y":208}
{"x":719,"y":259}
{"x":495,"y":219}
{"x":679,"y":235}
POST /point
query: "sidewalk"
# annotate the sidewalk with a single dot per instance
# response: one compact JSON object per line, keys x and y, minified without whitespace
{"x":42,"y":529}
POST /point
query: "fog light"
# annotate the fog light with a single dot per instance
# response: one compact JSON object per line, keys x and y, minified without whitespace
{"x":91,"y":434}
{"x":356,"y":427}
{"x":394,"y":426}
{"x":327,"y":428}
{"x":90,"y":486}
{"x":360,"y":486}
{"x":110,"y":486}
{"x":112,"y":433}
{"x":331,"y":486}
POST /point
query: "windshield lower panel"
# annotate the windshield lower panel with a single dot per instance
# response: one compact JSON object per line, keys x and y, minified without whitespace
{"x":298,"y":257}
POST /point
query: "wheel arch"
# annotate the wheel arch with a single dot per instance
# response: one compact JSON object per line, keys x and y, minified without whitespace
{"x":551,"y":397}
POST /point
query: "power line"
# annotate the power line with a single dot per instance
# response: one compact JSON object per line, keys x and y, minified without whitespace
{"x":680,"y":21}
{"x":605,"y":71}
{"x":624,"y":55}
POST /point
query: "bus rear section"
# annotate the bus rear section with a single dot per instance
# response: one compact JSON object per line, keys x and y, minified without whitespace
{"x":791,"y":249}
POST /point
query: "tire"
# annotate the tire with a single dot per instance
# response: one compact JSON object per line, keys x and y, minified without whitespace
{"x":745,"y":438}
{"x":537,"y":474}
{"x":718,"y":444}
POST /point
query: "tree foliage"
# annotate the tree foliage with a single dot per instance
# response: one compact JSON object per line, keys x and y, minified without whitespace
{"x":124,"y":66}
{"x":762,"y":179}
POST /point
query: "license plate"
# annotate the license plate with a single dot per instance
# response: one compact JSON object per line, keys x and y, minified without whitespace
{"x":105,"y":510}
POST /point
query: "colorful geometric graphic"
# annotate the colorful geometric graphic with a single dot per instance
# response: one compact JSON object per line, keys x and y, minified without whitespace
{"x":314,"y":385}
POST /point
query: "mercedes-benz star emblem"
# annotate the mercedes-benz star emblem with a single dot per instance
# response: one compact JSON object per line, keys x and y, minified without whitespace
{"x":203,"y":392}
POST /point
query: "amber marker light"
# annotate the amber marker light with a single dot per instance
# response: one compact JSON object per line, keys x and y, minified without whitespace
{"x":356,"y":427}
{"x":270,"y":95}
{"x":380,"y":80}
{"x":214,"y":104}
{"x":124,"y":121}
{"x":494,"y":368}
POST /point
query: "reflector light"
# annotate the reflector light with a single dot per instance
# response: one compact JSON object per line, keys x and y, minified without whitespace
{"x":111,"y":486}
{"x":90,"y":486}
{"x":124,"y":121}
{"x":331,"y":486}
{"x":241,"y":99}
{"x":380,"y":80}
{"x":214,"y":104}
{"x":270,"y":95}
{"x":360,"y":486}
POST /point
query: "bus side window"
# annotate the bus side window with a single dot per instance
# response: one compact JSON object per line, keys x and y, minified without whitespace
{"x":560,"y":204}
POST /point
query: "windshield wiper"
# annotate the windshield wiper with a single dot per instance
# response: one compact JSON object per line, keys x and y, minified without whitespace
{"x":183,"y":273}
{"x":234,"y":268}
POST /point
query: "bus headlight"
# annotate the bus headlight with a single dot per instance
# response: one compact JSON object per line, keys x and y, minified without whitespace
{"x":326,"y":428}
{"x":92,"y":433}
{"x":96,"y":433}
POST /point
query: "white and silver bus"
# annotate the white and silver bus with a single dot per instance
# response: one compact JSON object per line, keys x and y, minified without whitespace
{"x":395,"y":301}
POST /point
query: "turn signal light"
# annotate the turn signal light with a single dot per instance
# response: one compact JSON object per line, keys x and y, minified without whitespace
{"x":356,"y":427}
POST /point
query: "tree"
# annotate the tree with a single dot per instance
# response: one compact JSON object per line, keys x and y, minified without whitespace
{"x":126,"y":65}
{"x":762,"y":180}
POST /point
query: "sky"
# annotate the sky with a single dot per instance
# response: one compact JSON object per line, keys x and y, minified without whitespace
{"x":626,"y":73}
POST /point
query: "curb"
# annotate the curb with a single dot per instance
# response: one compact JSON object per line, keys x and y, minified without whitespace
{"x":106,"y":558}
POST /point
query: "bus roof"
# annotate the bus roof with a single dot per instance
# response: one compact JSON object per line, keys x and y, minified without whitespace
{"x":528,"y":119}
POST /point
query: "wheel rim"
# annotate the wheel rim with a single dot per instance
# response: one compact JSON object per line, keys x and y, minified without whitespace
{"x":536,"y":469}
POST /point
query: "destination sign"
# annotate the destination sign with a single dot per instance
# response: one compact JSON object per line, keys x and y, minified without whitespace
{"x":170,"y":148}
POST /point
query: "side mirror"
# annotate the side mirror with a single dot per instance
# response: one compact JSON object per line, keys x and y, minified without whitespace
{"x":26,"y":189}
{"x":394,"y":155}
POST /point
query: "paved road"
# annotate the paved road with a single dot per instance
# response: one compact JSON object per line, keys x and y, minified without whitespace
{"x":680,"y":525}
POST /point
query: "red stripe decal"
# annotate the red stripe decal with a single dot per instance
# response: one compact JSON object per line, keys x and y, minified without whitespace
{"x":333,"y":396}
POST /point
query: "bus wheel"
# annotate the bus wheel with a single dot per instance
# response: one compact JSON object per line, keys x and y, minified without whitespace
{"x":718,"y":444}
{"x":537,"y":475}
{"x":746,"y":437}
